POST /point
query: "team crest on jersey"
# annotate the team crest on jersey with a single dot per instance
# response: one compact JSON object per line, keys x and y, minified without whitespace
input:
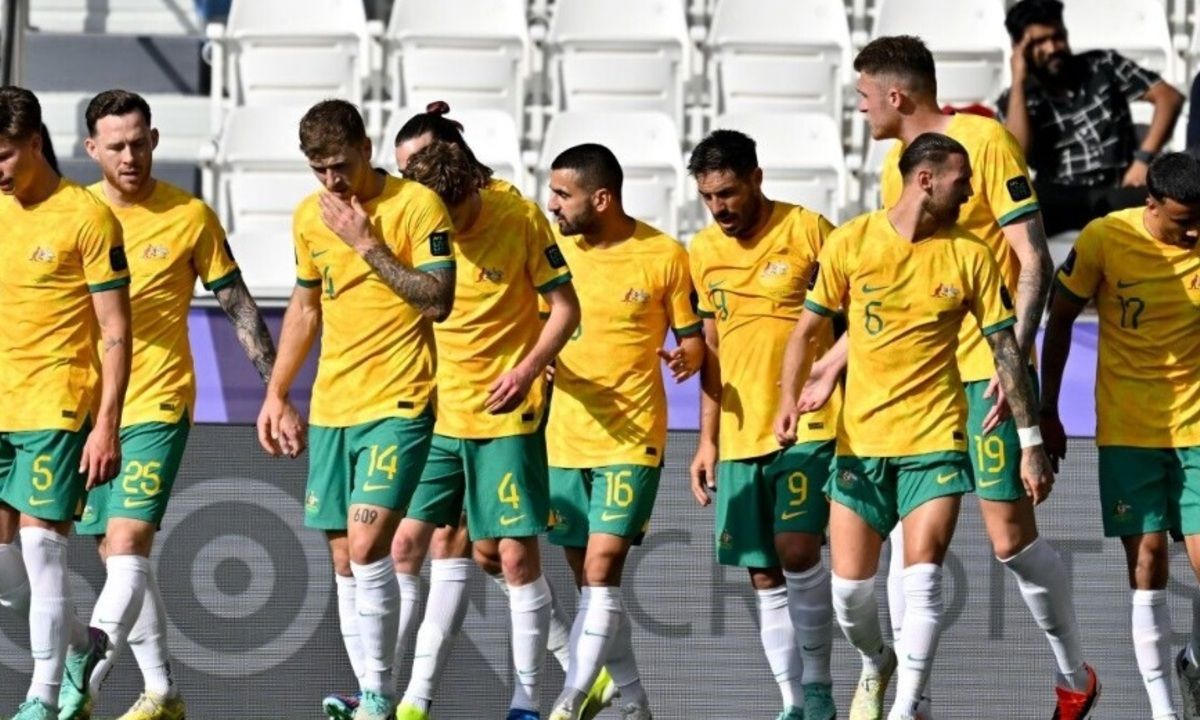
{"x":847,"y":479}
{"x":494,"y":275}
{"x":1121,"y":510}
{"x":773,"y":270}
{"x":155,"y":252}
{"x":635,"y":296}
{"x":311,"y":503}
{"x":726,"y":540}
{"x":1194,"y":283}
{"x":42,"y":255}
{"x":945,"y":291}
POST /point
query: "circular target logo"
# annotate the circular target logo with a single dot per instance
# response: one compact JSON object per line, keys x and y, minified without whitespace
{"x":244,"y":583}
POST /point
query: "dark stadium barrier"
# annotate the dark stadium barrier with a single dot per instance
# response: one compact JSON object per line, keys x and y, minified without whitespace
{"x":253,"y":623}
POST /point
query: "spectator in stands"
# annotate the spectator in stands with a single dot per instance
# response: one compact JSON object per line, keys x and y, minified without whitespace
{"x":1071,"y":115}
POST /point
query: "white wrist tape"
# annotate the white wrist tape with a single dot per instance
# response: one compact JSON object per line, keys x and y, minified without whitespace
{"x":1030,"y":436}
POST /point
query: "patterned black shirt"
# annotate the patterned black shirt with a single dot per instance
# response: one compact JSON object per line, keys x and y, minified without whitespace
{"x":1085,"y":137}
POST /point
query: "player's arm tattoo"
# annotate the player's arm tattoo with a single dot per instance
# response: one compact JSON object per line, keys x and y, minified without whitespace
{"x":1012,"y":367}
{"x":1028,"y":239}
{"x":252,"y":332}
{"x":432,"y":293}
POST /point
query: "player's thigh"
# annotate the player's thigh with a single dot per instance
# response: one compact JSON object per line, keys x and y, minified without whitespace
{"x":330,"y":471}
{"x":929,"y":490}
{"x":995,"y":456}
{"x":151,"y":454}
{"x":570,"y":502}
{"x":45,"y":482}
{"x":622,"y":500}
{"x":867,"y":487}
{"x":1135,"y":490}
{"x":438,"y":498}
{"x":745,"y":510}
{"x":388,"y":457}
{"x":508,"y":493}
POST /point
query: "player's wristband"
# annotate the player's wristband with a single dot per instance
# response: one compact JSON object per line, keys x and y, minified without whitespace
{"x":1030,"y":436}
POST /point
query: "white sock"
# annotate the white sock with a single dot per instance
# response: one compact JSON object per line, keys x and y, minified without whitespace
{"x":445,"y":609}
{"x":779,"y":643}
{"x":811,"y":608}
{"x":895,"y":582}
{"x":347,"y":589}
{"x":45,"y":555}
{"x":857,"y":613}
{"x":622,"y":665}
{"x":529,"y":608}
{"x":919,"y":638}
{"x":410,"y":598}
{"x":117,"y":609}
{"x":377,"y":602}
{"x":599,"y":624}
{"x":1151,"y":626}
{"x":558,"y":641}
{"x":14,"y":582}
{"x":148,"y":641}
{"x":1042,"y":578}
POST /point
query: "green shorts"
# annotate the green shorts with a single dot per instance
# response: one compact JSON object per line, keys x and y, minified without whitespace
{"x":759,"y":497}
{"x":996,"y":456}
{"x":376,"y":463}
{"x":151,"y":453}
{"x":882,"y":491}
{"x":39,"y":472}
{"x":500,"y":483}
{"x":1149,"y":490}
{"x":613,"y":499}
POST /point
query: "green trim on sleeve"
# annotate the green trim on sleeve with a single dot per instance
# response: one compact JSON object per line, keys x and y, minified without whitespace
{"x":1005,"y":323}
{"x":110,"y":285}
{"x":689,"y":330}
{"x":1016,"y":214}
{"x":819,"y":309}
{"x":223,"y":281}
{"x":548,"y":286}
{"x":1060,"y":285}
{"x":308,"y":283}
{"x":705,"y":314}
{"x":437,"y":265}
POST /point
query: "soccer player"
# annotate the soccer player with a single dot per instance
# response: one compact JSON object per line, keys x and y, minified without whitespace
{"x":607,"y":433}
{"x":374,"y":264}
{"x":424,"y":128}
{"x":1142,"y":268}
{"x":897,"y":88}
{"x":751,"y":270}
{"x":171,"y":238}
{"x":906,"y":277}
{"x":64,"y":316}
{"x":488,"y":457}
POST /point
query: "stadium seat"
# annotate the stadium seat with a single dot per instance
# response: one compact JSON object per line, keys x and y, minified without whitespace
{"x":872,"y":169}
{"x":490,"y":133}
{"x":470,"y":53}
{"x":801,"y":157}
{"x":967,"y":38}
{"x":133,"y":17}
{"x":267,"y":262}
{"x":182,"y":121}
{"x":648,"y":146}
{"x":620,"y":55}
{"x":291,"y":51}
{"x":780,"y":56}
{"x":1138,"y":29}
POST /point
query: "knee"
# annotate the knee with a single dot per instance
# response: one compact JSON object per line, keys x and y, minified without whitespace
{"x":407,"y":553}
{"x":798,"y":552}
{"x":487,"y":557}
{"x":134,"y":538}
{"x":449,"y":542}
{"x":519,"y":561}
{"x":366,"y":549}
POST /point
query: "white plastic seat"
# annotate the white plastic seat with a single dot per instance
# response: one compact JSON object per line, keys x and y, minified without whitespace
{"x":491,"y":134}
{"x":470,"y":53}
{"x":182,"y":122}
{"x":800,"y":155}
{"x":1138,"y":29}
{"x":134,"y":17}
{"x":872,"y":171}
{"x":267,"y":263}
{"x":620,"y":55}
{"x":648,"y":148}
{"x":967,"y":38}
{"x":780,"y":56}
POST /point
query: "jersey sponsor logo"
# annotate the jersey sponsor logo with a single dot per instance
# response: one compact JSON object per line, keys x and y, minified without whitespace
{"x":945,"y":478}
{"x":945,"y":291}
{"x":42,"y":255}
{"x":813,"y":275}
{"x":1068,"y":265}
{"x":439,"y":243}
{"x":1005,"y":298}
{"x":635,"y":296}
{"x":607,"y":516}
{"x":492,"y":275}
{"x":156,"y":252}
{"x":1122,"y":284}
{"x":555,"y":257}
{"x":1019,"y":189}
{"x":117,"y":259}
{"x":868,"y":288}
{"x":507,"y":520}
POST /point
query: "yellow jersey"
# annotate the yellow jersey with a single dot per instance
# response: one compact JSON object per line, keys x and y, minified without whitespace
{"x":54,"y":254}
{"x":377,"y":357}
{"x":505,"y":259}
{"x":610,"y":405}
{"x":1148,"y":361}
{"x":905,"y":303}
{"x":503,"y":186}
{"x":754,"y":291}
{"x":171,"y":238}
{"x":1002,"y":193}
